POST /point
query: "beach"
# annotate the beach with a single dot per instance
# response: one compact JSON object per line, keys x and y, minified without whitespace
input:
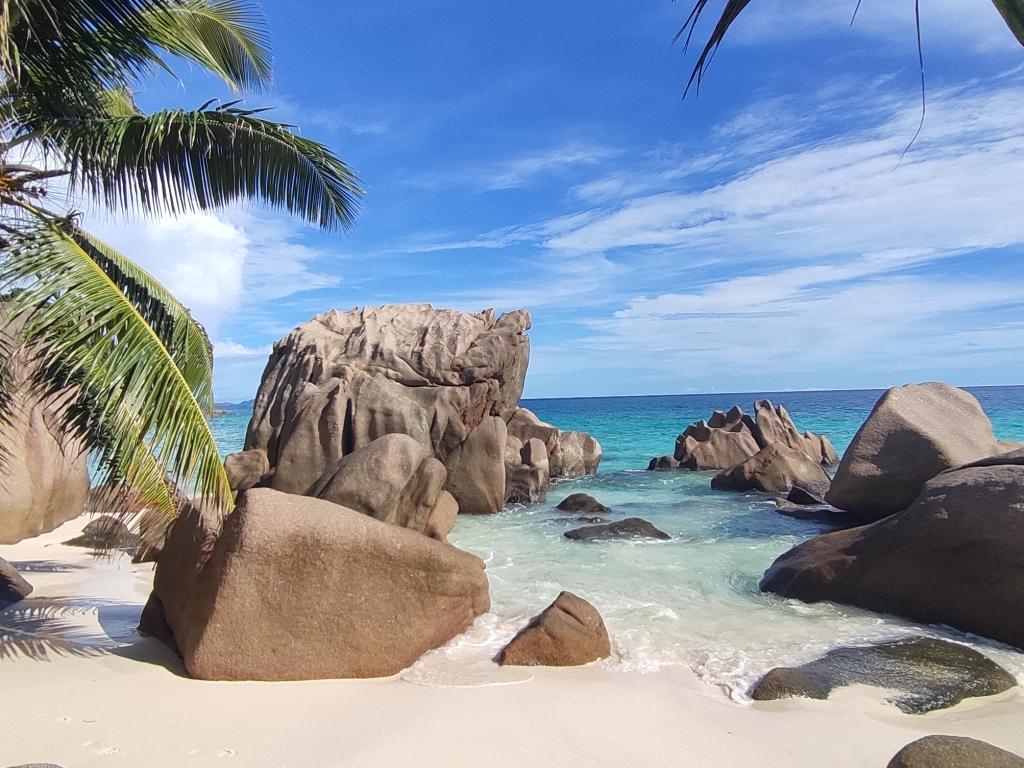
{"x":86,"y":690}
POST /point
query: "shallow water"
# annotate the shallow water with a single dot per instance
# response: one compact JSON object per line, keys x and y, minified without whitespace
{"x":692,"y":601}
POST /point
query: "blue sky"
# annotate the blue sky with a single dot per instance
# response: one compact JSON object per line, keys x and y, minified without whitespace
{"x":539,"y":155}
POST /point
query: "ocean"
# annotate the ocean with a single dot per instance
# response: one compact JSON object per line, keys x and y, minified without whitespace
{"x":692,"y":601}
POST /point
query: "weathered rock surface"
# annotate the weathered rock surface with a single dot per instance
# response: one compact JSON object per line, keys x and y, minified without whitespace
{"x":802,"y":496}
{"x":775,"y":468}
{"x":297,"y":588}
{"x":730,"y":438}
{"x":246,"y":469}
{"x":106,"y":533}
{"x":43,"y":474}
{"x":393,"y":479}
{"x":527,"y":472}
{"x":928,"y":674}
{"x":568,"y":633}
{"x":13,"y":586}
{"x":952,"y":557}
{"x":629,"y":528}
{"x":345,"y":379}
{"x":819,"y":513}
{"x":584,"y":504}
{"x":953,"y":752}
{"x":913,"y":433}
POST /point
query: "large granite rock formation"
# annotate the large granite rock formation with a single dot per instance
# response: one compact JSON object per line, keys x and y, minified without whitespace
{"x":731,"y":437}
{"x":444,"y":378}
{"x":913,"y":433}
{"x":568,"y":633}
{"x":952,"y":557}
{"x":297,"y":588}
{"x":43,"y":475}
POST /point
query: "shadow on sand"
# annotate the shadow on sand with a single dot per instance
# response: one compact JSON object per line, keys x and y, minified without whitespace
{"x":45,"y":628}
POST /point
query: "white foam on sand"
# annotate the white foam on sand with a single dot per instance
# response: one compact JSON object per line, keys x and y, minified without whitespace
{"x":83,"y":690}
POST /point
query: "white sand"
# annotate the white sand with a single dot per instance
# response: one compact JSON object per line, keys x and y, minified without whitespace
{"x":81,"y":688}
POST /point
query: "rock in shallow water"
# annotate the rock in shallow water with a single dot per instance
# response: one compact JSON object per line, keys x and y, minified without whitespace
{"x":929,"y":674}
{"x":776,"y":468}
{"x":584,"y":504}
{"x":568,"y":633}
{"x":630,"y":528}
{"x":953,"y":557}
{"x":953,"y":752}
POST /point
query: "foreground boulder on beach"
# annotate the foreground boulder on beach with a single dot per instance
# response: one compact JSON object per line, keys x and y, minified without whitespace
{"x":43,"y":474}
{"x":913,"y":433}
{"x":729,"y":438}
{"x":925,"y":674}
{"x":955,"y":556}
{"x":954,"y":752}
{"x":568,"y":633}
{"x":444,"y":378}
{"x":297,"y":588}
{"x":12,"y":586}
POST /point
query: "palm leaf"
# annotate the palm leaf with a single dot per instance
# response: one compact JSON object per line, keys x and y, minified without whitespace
{"x":227,"y":37}
{"x":102,"y":329}
{"x":730,"y":13}
{"x":176,"y":160}
{"x":1013,"y":14}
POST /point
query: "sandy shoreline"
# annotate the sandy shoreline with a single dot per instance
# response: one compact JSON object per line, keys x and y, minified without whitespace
{"x":83,"y":689}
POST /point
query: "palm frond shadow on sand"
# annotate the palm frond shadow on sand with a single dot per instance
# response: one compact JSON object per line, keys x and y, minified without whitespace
{"x":43,"y":629}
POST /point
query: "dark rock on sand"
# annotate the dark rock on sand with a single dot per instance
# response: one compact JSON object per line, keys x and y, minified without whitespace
{"x":13,"y":586}
{"x":776,"y":468}
{"x":583,"y":503}
{"x":290,"y":587}
{"x":106,"y":533}
{"x":630,"y":528}
{"x":568,"y":633}
{"x":953,"y":557}
{"x":928,"y":674}
{"x":913,"y":433}
{"x":954,"y":752}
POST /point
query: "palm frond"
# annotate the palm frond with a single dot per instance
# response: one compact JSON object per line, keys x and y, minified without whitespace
{"x":176,"y":160}
{"x":730,"y":13}
{"x":1012,"y":12}
{"x":103,"y":329}
{"x":227,"y":37}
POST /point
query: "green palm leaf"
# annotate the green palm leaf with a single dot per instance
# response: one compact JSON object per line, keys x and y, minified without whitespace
{"x":226,"y":37}
{"x":139,"y":364}
{"x":177,"y":160}
{"x":1012,"y":12}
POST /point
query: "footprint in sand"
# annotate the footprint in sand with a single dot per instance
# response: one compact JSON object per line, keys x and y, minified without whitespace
{"x":98,"y":749}
{"x":227,"y":752}
{"x":65,"y":719}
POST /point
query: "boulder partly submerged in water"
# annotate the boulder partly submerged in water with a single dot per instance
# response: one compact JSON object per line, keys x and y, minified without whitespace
{"x":913,"y":433}
{"x":345,"y":379}
{"x":730,"y":438}
{"x":927,"y":674}
{"x":776,"y":468}
{"x":583,"y":504}
{"x":953,"y":557}
{"x":297,"y":588}
{"x":568,"y":633}
{"x":631,"y":528}
{"x":954,"y":752}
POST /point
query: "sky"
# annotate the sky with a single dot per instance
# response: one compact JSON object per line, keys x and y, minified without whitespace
{"x":762,"y":236}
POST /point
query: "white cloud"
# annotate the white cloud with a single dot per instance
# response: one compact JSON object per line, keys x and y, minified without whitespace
{"x":232,"y":350}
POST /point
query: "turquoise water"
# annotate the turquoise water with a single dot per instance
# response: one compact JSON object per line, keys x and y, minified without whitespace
{"x":692,"y":601}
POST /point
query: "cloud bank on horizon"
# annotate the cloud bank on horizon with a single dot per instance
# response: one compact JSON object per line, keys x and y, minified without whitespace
{"x":764,"y":236}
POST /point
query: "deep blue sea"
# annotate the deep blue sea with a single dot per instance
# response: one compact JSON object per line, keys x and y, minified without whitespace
{"x":690,"y":601}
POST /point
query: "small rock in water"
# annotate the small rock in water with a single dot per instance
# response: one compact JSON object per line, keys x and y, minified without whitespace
{"x":583,"y":503}
{"x":105,"y":532}
{"x":661,"y":463}
{"x":802,"y":496}
{"x":929,"y":674}
{"x":630,"y":528}
{"x":568,"y":633}
{"x":953,"y":752}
